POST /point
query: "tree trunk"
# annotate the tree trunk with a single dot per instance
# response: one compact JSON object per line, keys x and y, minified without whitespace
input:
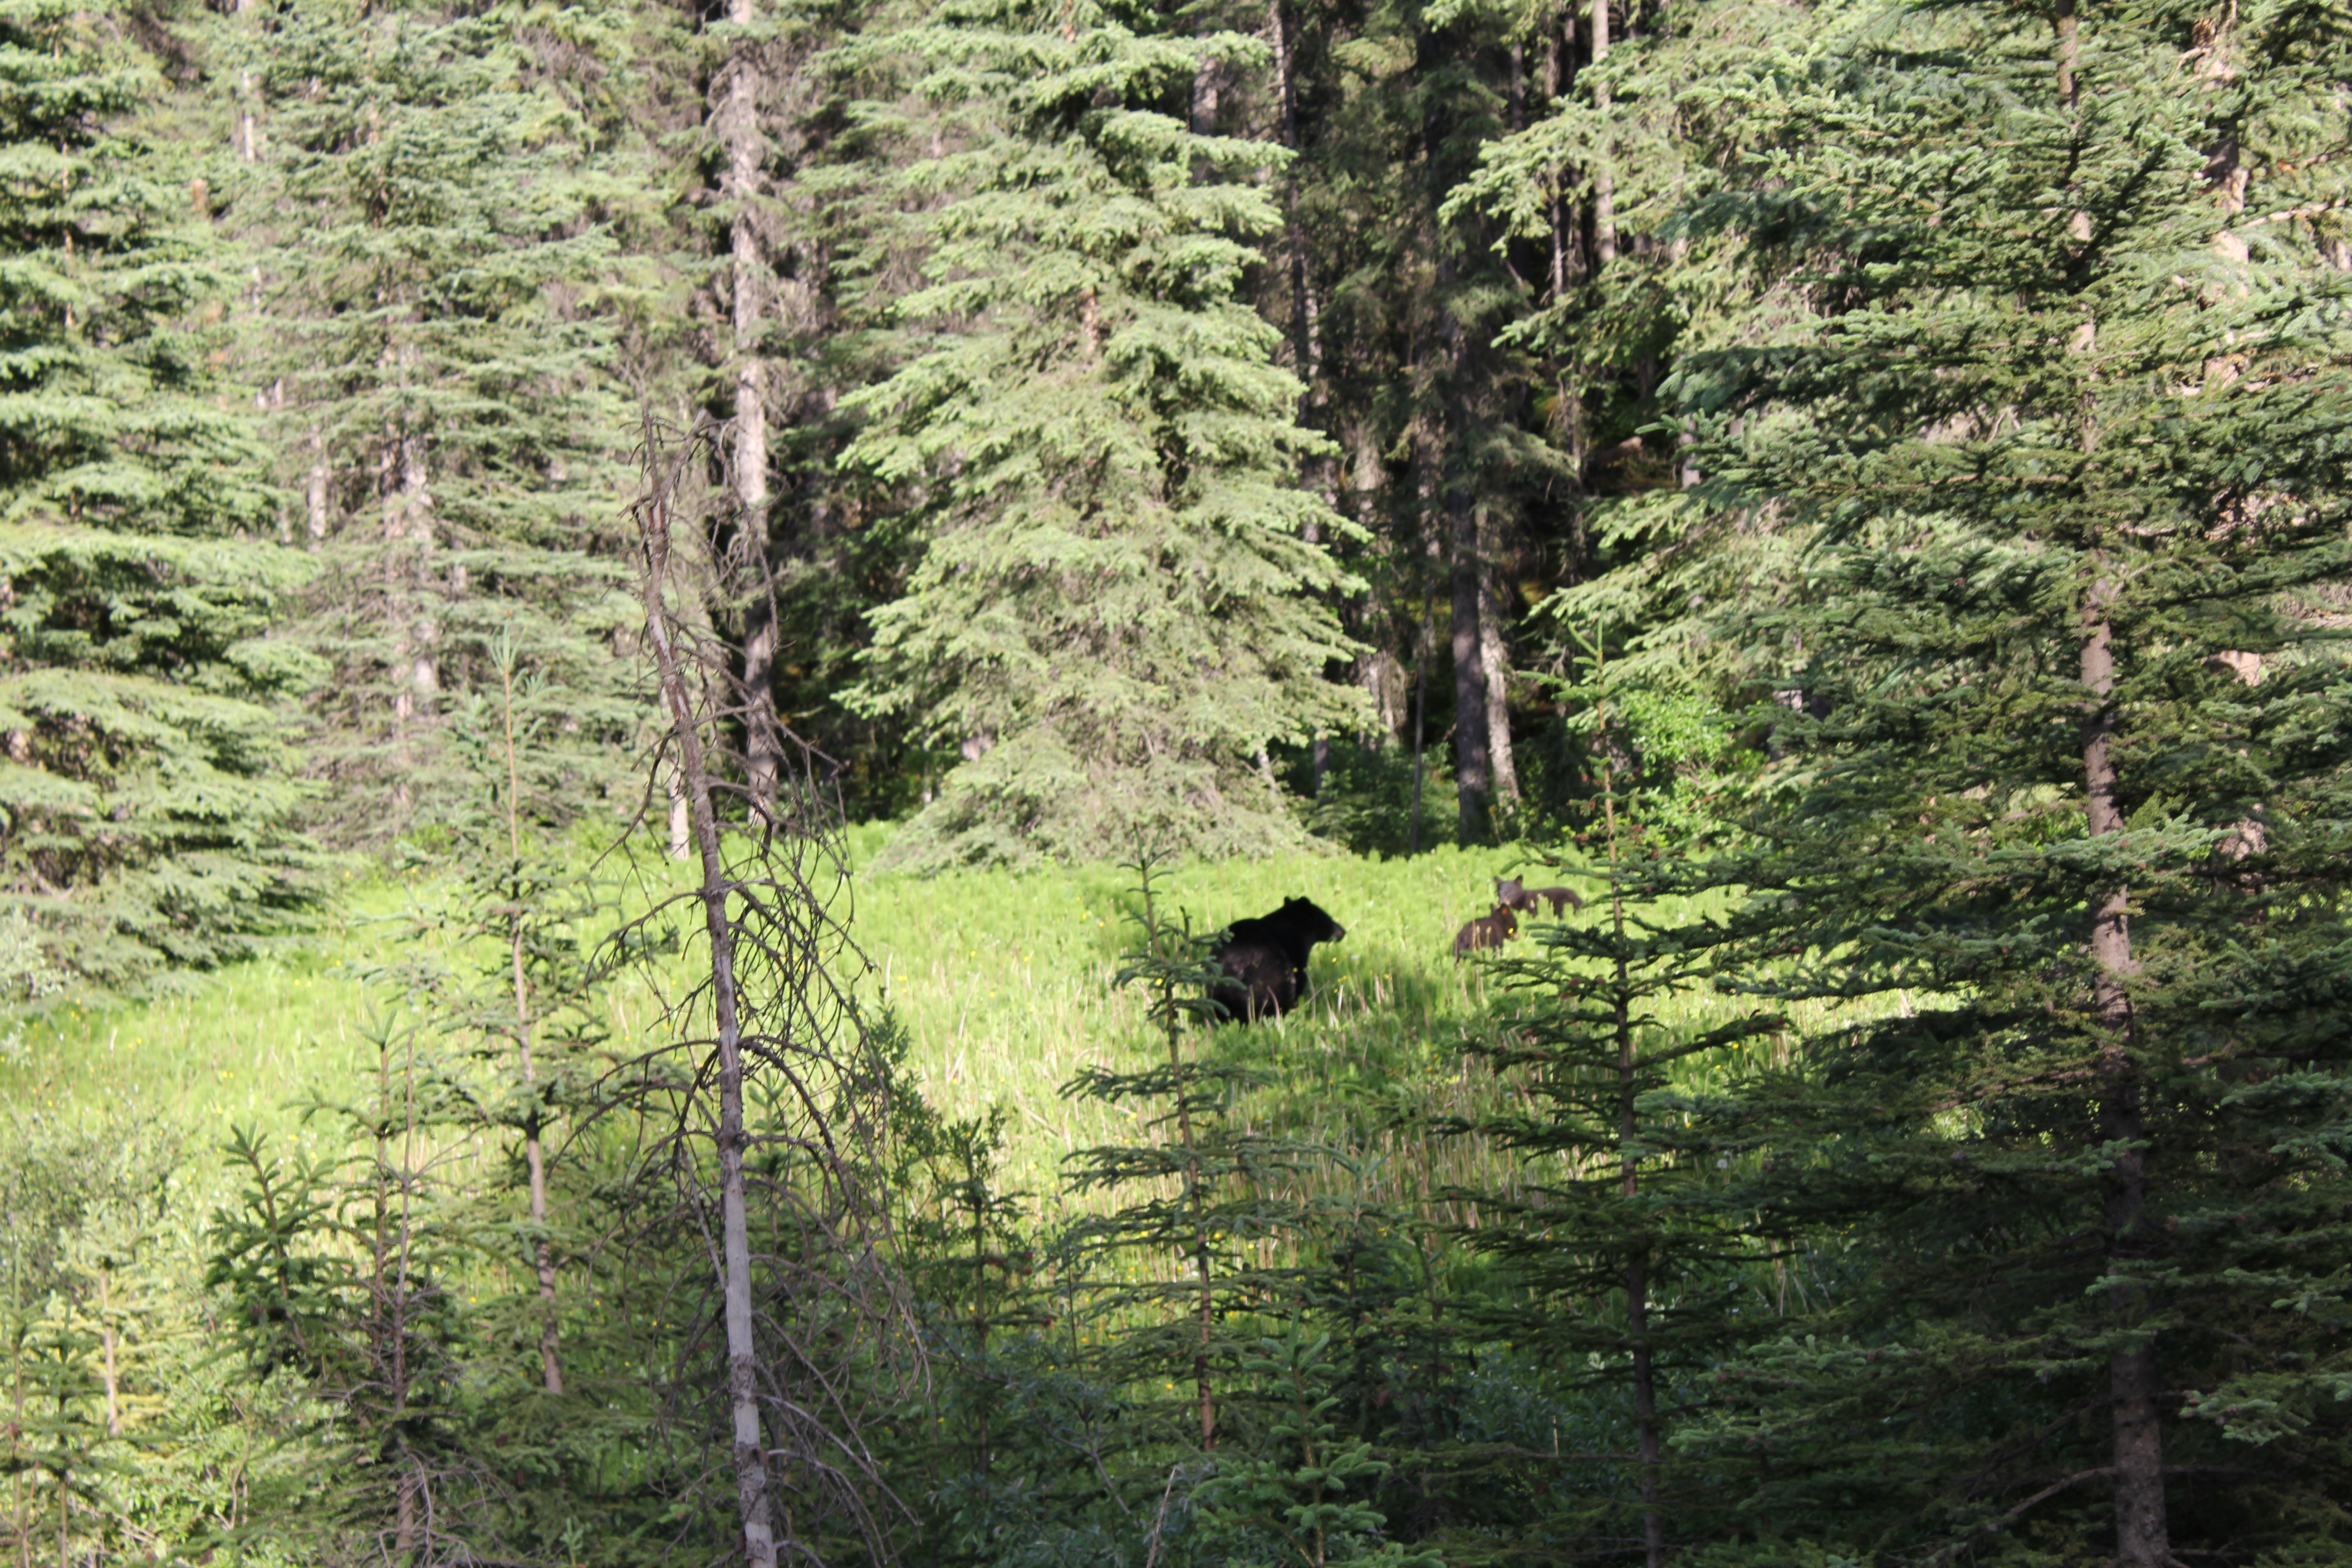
{"x":417,"y":508}
{"x":314,"y":489}
{"x":1421,"y":706}
{"x":106,"y":1363}
{"x":401,"y":483}
{"x":1455,"y":476}
{"x":750,"y":1453}
{"x":1316,"y":471}
{"x":2142,"y":1535}
{"x":1604,"y":183}
{"x":2142,"y":1538}
{"x":1637,"y":1267}
{"x":550,"y":1367}
{"x":739,"y":135}
{"x":1494,"y":658}
{"x":1472,"y":759}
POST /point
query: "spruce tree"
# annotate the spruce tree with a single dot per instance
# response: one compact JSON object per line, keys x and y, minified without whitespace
{"x":1631,"y":1268}
{"x":147,"y":788}
{"x":436,"y":352}
{"x":1113,"y":612}
{"x":2062,"y":807}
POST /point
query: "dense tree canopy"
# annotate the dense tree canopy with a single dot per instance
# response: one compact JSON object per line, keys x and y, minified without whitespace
{"x":1858,"y":482}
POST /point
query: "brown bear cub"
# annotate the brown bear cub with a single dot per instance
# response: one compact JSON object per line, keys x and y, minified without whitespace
{"x":1265,"y":960}
{"x":1510,"y":895}
{"x":1491,"y":930}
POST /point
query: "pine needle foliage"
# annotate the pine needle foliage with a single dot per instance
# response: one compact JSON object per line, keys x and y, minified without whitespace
{"x":146,"y":787}
{"x":1114,"y":612}
{"x":1203,"y":1184}
{"x":2060,"y":825}
{"x":1633,"y":1267}
{"x":442,"y":394}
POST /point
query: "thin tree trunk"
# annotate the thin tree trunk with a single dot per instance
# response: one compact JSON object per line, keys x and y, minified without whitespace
{"x":1472,"y":757}
{"x":751,"y":1457}
{"x":16,"y":1466}
{"x":1306,"y":305}
{"x":1637,"y":1267}
{"x":1494,"y":658}
{"x":2142,"y":1538}
{"x":1317,"y":471}
{"x":681,"y":825}
{"x":1604,"y":183}
{"x":393,"y":1304}
{"x":1195,"y":1199}
{"x":739,"y":134}
{"x":314,"y":489}
{"x":550,"y":1367}
{"x":402,"y":483}
{"x":1455,"y":476}
{"x":1421,"y":706}
{"x":106,"y":1348}
{"x":1428,"y":455}
{"x":417,"y":509}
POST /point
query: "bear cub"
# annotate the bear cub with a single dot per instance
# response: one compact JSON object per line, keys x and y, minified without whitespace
{"x":1511,"y":896}
{"x":1493,"y":930}
{"x":1264,"y":959}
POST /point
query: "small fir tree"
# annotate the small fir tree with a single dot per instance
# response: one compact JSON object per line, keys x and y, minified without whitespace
{"x":1632,"y":1269}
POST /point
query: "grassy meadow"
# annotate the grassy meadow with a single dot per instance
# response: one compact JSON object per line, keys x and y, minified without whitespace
{"x":1003,"y":982}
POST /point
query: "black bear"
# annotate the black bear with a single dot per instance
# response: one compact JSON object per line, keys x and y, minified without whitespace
{"x":1510,"y":895}
{"x":1264,"y":959}
{"x":1493,"y":930}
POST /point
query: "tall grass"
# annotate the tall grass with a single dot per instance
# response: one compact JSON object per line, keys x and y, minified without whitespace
{"x":1003,"y":982}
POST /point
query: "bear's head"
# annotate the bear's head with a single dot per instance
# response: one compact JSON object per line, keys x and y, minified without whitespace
{"x":1308,"y":918}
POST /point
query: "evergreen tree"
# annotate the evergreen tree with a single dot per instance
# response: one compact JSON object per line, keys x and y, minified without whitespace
{"x":1635,"y":124}
{"x":146,"y":791}
{"x":2063,"y":808}
{"x":1112,"y":614}
{"x":1632,"y":1267}
{"x":436,"y":358}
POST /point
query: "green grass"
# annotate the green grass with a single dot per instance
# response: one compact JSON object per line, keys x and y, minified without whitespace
{"x":1003,"y":982}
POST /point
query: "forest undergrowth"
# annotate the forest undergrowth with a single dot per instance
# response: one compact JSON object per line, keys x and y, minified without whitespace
{"x":1002,"y":982}
{"x":172,"y":1139}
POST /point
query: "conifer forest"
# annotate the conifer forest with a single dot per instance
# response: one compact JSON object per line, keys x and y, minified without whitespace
{"x":658,"y":662}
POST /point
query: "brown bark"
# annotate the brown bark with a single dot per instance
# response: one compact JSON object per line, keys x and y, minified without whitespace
{"x":1206,"y":85}
{"x":2141,"y":1535}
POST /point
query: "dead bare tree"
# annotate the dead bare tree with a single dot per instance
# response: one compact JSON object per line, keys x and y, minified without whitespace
{"x":767,"y":1107}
